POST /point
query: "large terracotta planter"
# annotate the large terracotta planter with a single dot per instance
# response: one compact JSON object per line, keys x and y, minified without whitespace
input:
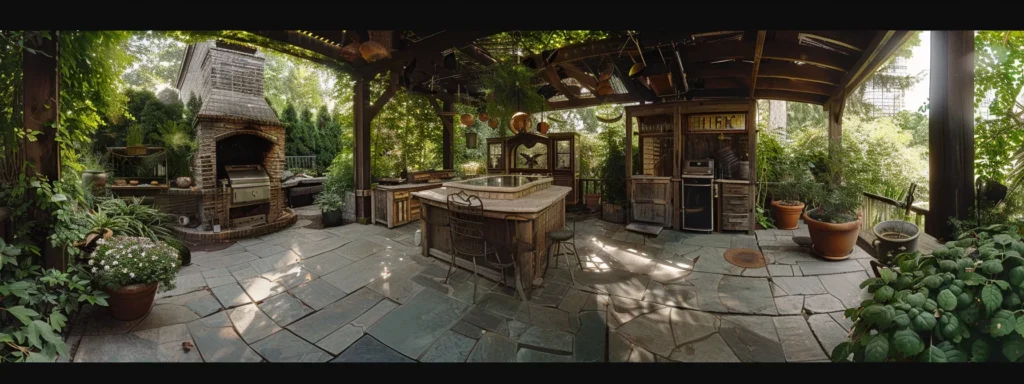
{"x":131,"y":302}
{"x":593,"y":200}
{"x":833,"y":241}
{"x":94,"y":179}
{"x":787,"y":216}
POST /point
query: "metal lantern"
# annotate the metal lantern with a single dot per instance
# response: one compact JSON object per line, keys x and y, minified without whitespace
{"x":520,"y":122}
{"x":604,"y":87}
{"x":483,"y":116}
{"x":543,"y":127}
{"x":470,"y":140}
{"x":373,"y":51}
{"x":493,"y":123}
{"x":467,"y":119}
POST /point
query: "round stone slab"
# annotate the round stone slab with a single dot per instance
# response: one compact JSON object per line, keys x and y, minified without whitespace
{"x":745,"y":257}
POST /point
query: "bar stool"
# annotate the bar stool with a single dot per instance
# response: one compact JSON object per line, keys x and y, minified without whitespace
{"x":564,"y":243}
{"x":465,"y":226}
{"x":515,"y":245}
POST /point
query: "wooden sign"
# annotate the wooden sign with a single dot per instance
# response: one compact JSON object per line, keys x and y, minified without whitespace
{"x":718,"y":122}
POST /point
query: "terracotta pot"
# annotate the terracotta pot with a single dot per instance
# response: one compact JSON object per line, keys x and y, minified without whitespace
{"x":543,"y":127}
{"x":94,"y":178}
{"x":493,"y":123}
{"x":833,"y":241}
{"x":593,"y":200}
{"x":131,"y":302}
{"x":483,"y":116}
{"x":787,"y":216}
{"x":467,"y":119}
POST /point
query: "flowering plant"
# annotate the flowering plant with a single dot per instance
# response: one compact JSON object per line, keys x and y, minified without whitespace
{"x":123,"y":260}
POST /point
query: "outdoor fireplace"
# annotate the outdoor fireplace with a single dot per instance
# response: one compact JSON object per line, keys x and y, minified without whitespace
{"x":240,"y":156}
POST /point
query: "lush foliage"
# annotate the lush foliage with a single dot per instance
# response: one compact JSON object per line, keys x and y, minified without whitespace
{"x":614,"y":169}
{"x":509,"y":86}
{"x":330,"y":201}
{"x":961,"y":303}
{"x":124,"y":260}
{"x":999,"y":66}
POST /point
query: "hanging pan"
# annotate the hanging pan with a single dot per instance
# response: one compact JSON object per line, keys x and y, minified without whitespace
{"x":609,"y":120}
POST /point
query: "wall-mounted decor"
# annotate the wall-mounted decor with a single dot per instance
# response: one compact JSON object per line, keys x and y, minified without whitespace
{"x":718,"y":122}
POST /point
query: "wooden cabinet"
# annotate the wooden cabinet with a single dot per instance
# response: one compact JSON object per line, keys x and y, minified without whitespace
{"x":736,"y":207}
{"x":652,"y":201}
{"x":394,"y":205}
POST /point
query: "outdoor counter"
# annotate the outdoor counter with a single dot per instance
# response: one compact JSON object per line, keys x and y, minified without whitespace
{"x":541,"y":212}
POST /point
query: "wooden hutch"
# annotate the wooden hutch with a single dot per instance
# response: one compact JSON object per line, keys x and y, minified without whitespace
{"x":528,"y":153}
{"x":393,"y":205}
{"x":676,"y":134}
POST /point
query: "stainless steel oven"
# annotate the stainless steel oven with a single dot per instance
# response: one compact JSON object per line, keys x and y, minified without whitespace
{"x":698,"y":200}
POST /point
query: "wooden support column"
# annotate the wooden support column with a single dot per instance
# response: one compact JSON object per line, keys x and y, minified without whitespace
{"x":950,"y":130}
{"x":834,"y":108}
{"x":447,"y":135}
{"x":40,"y":107}
{"x":361,"y":150}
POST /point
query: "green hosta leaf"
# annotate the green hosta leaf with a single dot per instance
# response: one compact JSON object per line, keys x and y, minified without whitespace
{"x":908,"y":265}
{"x":987,"y":251}
{"x":884,"y":294}
{"x":949,"y":325}
{"x":1002,"y":324}
{"x":933,"y":355}
{"x":1011,"y":300}
{"x":946,"y":300}
{"x":1002,"y":284}
{"x":991,"y":297}
{"x":916,"y":300}
{"x":948,"y":265}
{"x":1002,"y":239}
{"x":908,"y":342}
{"x":932,"y":282}
{"x":1017,"y":246}
{"x":871,"y":282}
{"x":842,"y":352}
{"x":1013,"y":349}
{"x":902,"y":319}
{"x":1020,"y":326}
{"x":964,"y":263}
{"x":1013,"y":259}
{"x":992,"y":267}
{"x":955,"y":289}
{"x":941,"y":252}
{"x":904,"y":282}
{"x":970,"y":314}
{"x":877,"y":314}
{"x":953,"y":354}
{"x":23,"y":314}
{"x":979,"y":351}
{"x":888,"y":275}
{"x":929,"y":305}
{"x":877,"y":349}
{"x":923,"y":321}
{"x":1017,"y":277}
{"x":1012,"y":253}
{"x":971,"y":278}
{"x":964,"y":299}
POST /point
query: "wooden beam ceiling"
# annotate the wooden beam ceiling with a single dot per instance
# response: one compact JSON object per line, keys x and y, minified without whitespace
{"x":877,"y":53}
{"x":758,"y":50}
{"x":796,"y":86}
{"x":804,"y":72}
{"x":623,"y":98}
{"x":791,"y":51}
{"x":585,"y":79}
{"x":431,"y":46}
{"x":799,"y":97}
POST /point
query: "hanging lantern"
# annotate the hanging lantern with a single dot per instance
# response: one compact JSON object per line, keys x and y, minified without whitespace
{"x":470,"y":140}
{"x":467,"y":119}
{"x":520,"y":122}
{"x":483,"y":116}
{"x":493,"y":123}
{"x":373,"y":51}
{"x":351,"y":52}
{"x":543,"y":127}
{"x":604,"y":87}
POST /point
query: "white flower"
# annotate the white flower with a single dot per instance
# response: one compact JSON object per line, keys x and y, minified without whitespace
{"x":114,"y":263}
{"x":106,"y":268}
{"x":126,"y":270}
{"x":132,"y":275}
{"x":154,"y":257}
{"x":91,"y":261}
{"x":93,"y":269}
{"x":102,"y":262}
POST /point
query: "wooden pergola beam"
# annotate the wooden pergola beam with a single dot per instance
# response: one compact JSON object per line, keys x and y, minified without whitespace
{"x":585,"y":79}
{"x":878,"y":52}
{"x":300,"y":40}
{"x":431,"y":46}
{"x":378,"y":105}
{"x":758,"y":50}
{"x":479,"y":54}
{"x":796,"y":86}
{"x":799,"y":97}
{"x":784,"y":70}
{"x":791,"y":51}
{"x":620,"y":98}
{"x":552,"y":76}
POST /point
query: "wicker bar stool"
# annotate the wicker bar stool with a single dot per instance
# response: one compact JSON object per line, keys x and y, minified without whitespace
{"x":465,"y":225}
{"x":563,"y":241}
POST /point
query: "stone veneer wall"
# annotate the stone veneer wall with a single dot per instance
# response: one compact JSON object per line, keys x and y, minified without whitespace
{"x":204,"y":165}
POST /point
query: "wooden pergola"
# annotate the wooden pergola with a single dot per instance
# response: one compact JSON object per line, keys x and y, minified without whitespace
{"x":817,"y":67}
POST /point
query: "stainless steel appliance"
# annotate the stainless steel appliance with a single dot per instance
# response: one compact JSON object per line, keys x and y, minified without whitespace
{"x":250,"y":194}
{"x":698,"y":198}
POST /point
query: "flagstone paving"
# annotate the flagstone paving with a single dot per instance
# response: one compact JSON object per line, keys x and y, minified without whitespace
{"x":364,"y":293}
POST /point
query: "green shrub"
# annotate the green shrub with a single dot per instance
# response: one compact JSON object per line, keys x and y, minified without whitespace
{"x":613,"y":171}
{"x":961,"y":303}
{"x":124,"y":260}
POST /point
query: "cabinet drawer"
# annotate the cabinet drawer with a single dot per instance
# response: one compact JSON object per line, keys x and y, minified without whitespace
{"x":401,"y":195}
{"x":736,"y":189}
{"x":735,"y":204}
{"x":414,"y":213}
{"x":735,"y":222}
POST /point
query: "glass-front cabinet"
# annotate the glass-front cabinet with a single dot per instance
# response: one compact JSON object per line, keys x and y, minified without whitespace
{"x":496,"y":155}
{"x":528,"y":153}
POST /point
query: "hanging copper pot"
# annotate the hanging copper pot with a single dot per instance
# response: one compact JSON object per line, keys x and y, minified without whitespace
{"x":543,"y":127}
{"x":483,"y":117}
{"x":604,"y":88}
{"x":351,"y":52}
{"x":373,"y":51}
{"x":520,"y":122}
{"x":493,"y":123}
{"x":467,"y":119}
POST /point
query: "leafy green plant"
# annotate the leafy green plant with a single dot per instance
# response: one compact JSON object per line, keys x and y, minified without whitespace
{"x":961,"y":303}
{"x":93,"y":161}
{"x":834,"y":198}
{"x":613,"y":171}
{"x":329,"y":201}
{"x":124,"y":260}
{"x":132,"y":219}
{"x":794,"y":183}
{"x":134,"y":137}
{"x":181,"y":146}
{"x":509,"y":86}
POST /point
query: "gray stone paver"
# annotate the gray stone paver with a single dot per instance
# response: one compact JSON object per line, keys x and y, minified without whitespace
{"x":674,"y":298}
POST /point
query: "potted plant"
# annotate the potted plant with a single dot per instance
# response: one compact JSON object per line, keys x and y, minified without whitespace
{"x":95,"y":174}
{"x":832,"y":218}
{"x":613,"y":171}
{"x":130,"y":270}
{"x":332,"y":208}
{"x":134,"y":141}
{"x":786,"y":194}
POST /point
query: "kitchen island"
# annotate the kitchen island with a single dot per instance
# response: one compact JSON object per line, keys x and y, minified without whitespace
{"x":540,"y":204}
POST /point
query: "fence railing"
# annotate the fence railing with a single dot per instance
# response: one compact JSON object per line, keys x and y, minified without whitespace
{"x":589,"y":186}
{"x":877,"y":209}
{"x":302,"y":162}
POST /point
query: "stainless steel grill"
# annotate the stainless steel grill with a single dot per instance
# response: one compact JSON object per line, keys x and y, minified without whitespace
{"x":249,"y":184}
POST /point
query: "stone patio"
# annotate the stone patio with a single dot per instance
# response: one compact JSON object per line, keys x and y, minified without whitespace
{"x":360,"y":293}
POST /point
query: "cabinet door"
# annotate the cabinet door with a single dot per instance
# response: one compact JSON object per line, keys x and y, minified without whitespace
{"x":651,"y":200}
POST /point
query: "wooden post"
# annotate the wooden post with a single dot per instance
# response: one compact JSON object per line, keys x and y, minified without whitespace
{"x":40,"y":100}
{"x":628,"y":146}
{"x":447,"y":135}
{"x":361,"y":150}
{"x":950,"y":130}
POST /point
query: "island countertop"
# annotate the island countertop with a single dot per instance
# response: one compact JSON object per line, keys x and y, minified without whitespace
{"x":407,"y":186}
{"x":532,"y":203}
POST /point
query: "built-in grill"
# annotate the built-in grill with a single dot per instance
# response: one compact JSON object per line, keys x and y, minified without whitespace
{"x":249,"y":184}
{"x":698,"y":195}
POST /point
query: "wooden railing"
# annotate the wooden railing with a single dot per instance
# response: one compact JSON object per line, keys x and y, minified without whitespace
{"x":877,"y":209}
{"x":588,"y":186}
{"x":301,"y":162}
